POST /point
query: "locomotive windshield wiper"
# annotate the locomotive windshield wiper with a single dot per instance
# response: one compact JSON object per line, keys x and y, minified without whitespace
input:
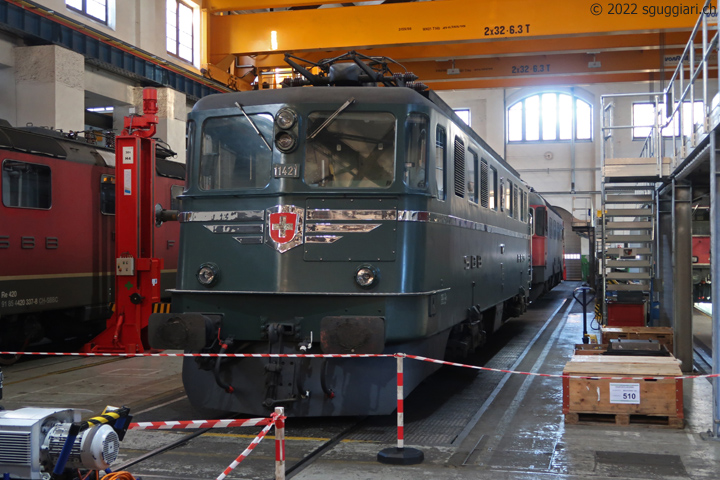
{"x":329,"y":120}
{"x":254,"y":126}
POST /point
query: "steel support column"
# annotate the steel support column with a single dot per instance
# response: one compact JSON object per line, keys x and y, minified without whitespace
{"x":715,"y":275}
{"x":682,"y":274}
{"x":664,"y":260}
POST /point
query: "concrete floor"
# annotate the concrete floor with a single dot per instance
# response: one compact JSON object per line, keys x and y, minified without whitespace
{"x":523,"y":436}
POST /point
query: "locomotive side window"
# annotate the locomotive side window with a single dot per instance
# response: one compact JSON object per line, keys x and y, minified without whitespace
{"x":232,"y":154}
{"x":472,"y":169}
{"x":355,"y":150}
{"x":107,"y":194}
{"x":459,"y":166}
{"x":508,"y":198}
{"x":440,"y":162}
{"x":26,"y":185}
{"x":493,"y":189}
{"x":416,"y":145}
{"x":484,"y":185}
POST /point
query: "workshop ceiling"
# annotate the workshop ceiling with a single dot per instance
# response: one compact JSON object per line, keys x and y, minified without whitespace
{"x":456,"y":44}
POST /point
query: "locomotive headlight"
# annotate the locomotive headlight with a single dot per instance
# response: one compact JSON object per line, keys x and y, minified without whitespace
{"x":366,"y":276}
{"x":208,"y":274}
{"x":285,"y":118}
{"x":285,"y":142}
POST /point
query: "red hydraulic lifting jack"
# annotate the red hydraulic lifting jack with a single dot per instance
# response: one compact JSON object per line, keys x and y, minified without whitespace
{"x":137,"y":271}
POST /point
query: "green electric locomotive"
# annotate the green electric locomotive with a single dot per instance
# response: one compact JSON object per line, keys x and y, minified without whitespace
{"x":356,"y":216}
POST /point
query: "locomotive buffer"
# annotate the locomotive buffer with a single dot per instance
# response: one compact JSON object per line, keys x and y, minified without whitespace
{"x":137,"y":271}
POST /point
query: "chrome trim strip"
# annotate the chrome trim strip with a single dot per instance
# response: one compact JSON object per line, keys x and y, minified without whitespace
{"x":326,"y":214}
{"x":341,"y":227}
{"x":235,"y":228}
{"x":321,"y":238}
{"x":249,"y":240}
{"x":229,"y":216}
{"x":325,"y":294}
{"x":430,"y":217}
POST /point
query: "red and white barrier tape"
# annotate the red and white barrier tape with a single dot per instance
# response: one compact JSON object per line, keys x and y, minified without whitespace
{"x":310,"y":355}
{"x":203,"y":355}
{"x":550,"y":375}
{"x":249,"y":449}
{"x":190,"y":424}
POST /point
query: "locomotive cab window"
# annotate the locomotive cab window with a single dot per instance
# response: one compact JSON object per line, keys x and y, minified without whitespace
{"x":26,"y":185}
{"x":416,"y":145}
{"x":233,"y":156}
{"x":354,"y":150}
{"x":107,"y":194}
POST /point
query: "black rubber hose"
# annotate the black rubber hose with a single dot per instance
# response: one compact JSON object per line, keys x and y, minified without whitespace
{"x":323,"y":380}
{"x":216,"y":371}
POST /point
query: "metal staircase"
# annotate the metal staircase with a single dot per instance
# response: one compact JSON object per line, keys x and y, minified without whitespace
{"x":627,"y":237}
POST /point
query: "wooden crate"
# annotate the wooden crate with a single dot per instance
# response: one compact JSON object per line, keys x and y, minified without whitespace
{"x":623,"y":400}
{"x":590,"y":348}
{"x":664,"y":335}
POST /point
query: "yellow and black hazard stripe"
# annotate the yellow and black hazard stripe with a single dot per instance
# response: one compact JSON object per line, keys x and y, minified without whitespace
{"x":161,"y":308}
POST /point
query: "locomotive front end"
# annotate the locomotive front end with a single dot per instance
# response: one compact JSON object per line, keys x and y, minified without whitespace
{"x":290,"y":244}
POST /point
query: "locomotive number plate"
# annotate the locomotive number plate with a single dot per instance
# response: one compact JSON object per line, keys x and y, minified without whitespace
{"x":290,"y":170}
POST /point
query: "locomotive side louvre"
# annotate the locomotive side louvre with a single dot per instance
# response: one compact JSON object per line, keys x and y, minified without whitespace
{"x":274,"y":245}
{"x":57,"y":235}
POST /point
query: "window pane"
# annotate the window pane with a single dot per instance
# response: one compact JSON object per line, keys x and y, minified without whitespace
{"x":26,"y":185}
{"x":107,"y":194}
{"x":492,"y":188}
{"x":356,"y":150}
{"x":416,"y":146}
{"x":464,"y":114}
{"x":642,"y":115}
{"x":515,"y":122}
{"x":532,"y":118}
{"x":171,"y":26}
{"x":472,"y":184}
{"x":97,"y":9}
{"x":232,"y":155}
{"x":583,"y":115}
{"x":185,"y":40}
{"x":565,"y":116}
{"x":549,"y":116}
{"x":74,"y":4}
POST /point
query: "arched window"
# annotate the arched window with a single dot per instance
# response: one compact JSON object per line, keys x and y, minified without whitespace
{"x":548,"y":117}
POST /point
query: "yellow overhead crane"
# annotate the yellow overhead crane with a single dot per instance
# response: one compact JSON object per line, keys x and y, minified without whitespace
{"x":491,"y":42}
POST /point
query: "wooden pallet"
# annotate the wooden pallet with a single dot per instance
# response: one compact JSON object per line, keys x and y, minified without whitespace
{"x":604,"y":398}
{"x":664,"y":335}
{"x":623,"y":419}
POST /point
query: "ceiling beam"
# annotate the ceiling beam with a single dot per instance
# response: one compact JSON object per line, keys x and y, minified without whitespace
{"x":504,"y":82}
{"x":438,"y":22}
{"x":237,"y":5}
{"x":645,"y":42}
{"x":561,"y":65}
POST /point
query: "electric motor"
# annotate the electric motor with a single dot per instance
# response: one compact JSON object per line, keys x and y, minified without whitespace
{"x":31,"y":440}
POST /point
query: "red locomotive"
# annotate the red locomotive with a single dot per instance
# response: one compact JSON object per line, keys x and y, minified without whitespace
{"x":548,"y":245}
{"x":57,"y":234}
